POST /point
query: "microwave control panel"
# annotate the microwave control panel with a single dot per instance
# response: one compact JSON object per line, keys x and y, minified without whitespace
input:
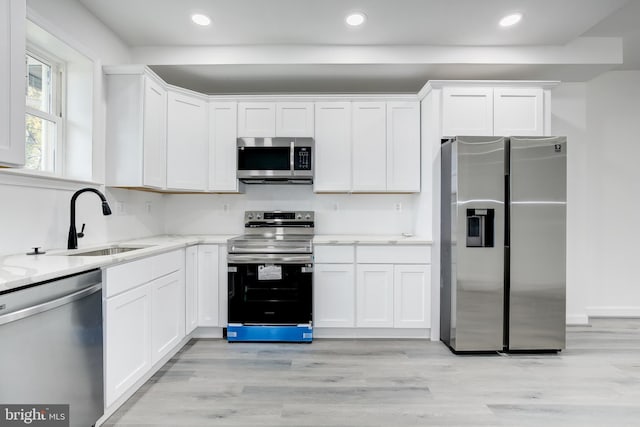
{"x":302,"y":158}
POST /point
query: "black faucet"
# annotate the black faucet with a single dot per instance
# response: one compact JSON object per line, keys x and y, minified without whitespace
{"x":72,"y":243}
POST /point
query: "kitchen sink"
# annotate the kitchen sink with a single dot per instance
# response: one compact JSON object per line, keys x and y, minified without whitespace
{"x":113,"y":250}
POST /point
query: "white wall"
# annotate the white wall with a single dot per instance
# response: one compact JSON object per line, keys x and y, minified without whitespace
{"x":33,"y":215}
{"x":611,"y":265}
{"x":335,"y":213}
{"x":601,"y":119}
{"x":569,"y":118}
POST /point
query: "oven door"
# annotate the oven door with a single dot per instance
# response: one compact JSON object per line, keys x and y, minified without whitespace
{"x":277,"y":291}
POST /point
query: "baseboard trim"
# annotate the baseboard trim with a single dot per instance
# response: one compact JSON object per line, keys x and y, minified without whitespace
{"x":613,"y":311}
{"x":577,"y":320}
{"x":207,"y":332}
{"x":379,"y":333}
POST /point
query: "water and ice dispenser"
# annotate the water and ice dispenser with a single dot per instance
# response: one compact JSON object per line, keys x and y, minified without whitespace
{"x":480,"y":228}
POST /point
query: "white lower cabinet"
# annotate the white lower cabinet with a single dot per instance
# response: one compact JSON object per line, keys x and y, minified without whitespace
{"x":191,"y":289}
{"x":372,"y":286}
{"x":411,"y":296}
{"x":393,"y":296}
{"x":208,"y":264}
{"x":374,"y":289}
{"x":334,"y":295}
{"x":144,"y":318}
{"x":167,"y":314}
{"x":127,"y":340}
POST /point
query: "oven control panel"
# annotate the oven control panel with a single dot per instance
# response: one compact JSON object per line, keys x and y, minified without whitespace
{"x":278,"y":216}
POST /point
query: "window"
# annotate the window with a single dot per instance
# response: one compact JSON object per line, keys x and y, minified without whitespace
{"x":44,"y":124}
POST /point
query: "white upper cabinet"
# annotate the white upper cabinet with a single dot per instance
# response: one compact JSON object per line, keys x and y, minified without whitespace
{"x":222,"y":146}
{"x":187,"y":142}
{"x":403,"y":146}
{"x":154,"y":123}
{"x":332,"y":147}
{"x":518,"y":111}
{"x":271,"y":119}
{"x":294,"y":119}
{"x":256,"y":119}
{"x":12,"y":82}
{"x":369,"y":134}
{"x":502,"y":110}
{"x":136,"y":131}
{"x":467,"y":111}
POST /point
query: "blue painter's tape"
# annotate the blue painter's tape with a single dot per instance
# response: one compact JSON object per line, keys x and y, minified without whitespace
{"x":268,"y":333}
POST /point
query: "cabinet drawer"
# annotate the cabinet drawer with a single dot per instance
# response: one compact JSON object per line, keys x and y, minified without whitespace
{"x":123,"y":277}
{"x":164,"y":264}
{"x":333,"y":254}
{"x":378,"y":254}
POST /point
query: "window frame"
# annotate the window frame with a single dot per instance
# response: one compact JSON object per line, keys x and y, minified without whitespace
{"x":58,"y":106}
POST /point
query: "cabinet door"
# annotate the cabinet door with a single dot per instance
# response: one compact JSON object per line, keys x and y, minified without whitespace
{"x":187,"y":140}
{"x":191,"y":289}
{"x":12,"y":82}
{"x":518,"y":111}
{"x":374,"y":290}
{"x":155,"y":134}
{"x":467,"y":111}
{"x":332,"y":147}
{"x":369,"y":146}
{"x":334,"y":291}
{"x":256,"y":119}
{"x":403,"y":146}
{"x":223,"y":133}
{"x":127,"y":340}
{"x":223,"y":279}
{"x":294,"y":119}
{"x":412,"y":296}
{"x":167,"y":314}
{"x":208,"y":285}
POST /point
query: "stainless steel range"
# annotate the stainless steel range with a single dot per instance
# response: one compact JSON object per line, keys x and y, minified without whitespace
{"x":271,"y":278}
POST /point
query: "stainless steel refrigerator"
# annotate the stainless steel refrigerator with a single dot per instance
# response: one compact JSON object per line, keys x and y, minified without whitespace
{"x":503,"y":244}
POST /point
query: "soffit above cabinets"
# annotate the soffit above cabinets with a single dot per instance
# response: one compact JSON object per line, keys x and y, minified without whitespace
{"x":401,"y":22}
{"x":289,"y":46}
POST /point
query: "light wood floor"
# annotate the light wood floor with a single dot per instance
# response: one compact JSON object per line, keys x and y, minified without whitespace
{"x":595,"y":382}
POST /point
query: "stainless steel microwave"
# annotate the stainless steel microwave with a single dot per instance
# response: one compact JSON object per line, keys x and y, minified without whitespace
{"x":275,"y":160}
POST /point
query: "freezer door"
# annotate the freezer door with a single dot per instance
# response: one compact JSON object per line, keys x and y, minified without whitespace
{"x":478,"y":244}
{"x":538,"y":243}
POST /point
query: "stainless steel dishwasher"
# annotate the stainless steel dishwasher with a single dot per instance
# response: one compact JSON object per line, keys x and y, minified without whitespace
{"x":51,"y":338}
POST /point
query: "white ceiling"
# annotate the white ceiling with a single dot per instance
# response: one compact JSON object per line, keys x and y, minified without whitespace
{"x":163,"y":26}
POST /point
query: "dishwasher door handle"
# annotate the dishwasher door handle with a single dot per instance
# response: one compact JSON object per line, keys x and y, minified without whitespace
{"x":49,"y":305}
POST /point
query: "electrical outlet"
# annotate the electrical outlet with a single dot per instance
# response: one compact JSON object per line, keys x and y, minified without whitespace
{"x":398,"y":207}
{"x":148,"y":208}
{"x":336,"y":206}
{"x":225,"y":207}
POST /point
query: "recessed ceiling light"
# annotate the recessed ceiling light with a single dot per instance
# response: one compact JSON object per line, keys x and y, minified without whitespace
{"x":355,"y":19}
{"x":201,"y":19}
{"x":510,"y":20}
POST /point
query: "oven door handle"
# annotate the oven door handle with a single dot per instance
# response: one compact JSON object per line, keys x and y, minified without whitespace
{"x":269,"y":259}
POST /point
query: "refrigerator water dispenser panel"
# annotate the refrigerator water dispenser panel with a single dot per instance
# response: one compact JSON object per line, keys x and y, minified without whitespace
{"x":480,"y":228}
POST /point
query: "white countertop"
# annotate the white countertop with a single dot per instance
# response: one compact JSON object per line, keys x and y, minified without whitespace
{"x":20,"y":270}
{"x":368,"y":239}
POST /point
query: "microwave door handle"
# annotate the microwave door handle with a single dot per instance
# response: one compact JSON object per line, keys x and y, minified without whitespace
{"x":291,"y":157}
